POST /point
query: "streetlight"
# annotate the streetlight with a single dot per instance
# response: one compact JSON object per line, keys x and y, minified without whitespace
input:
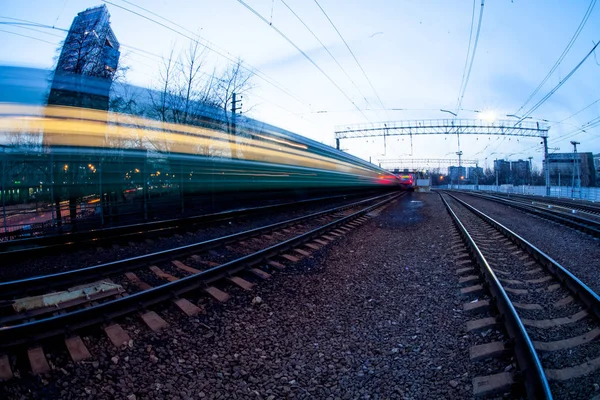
{"x":449,"y":112}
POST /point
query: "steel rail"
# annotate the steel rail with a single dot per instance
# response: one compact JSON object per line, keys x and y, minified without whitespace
{"x":34,"y":285}
{"x":581,"y":204}
{"x":575,"y":285}
{"x":104,"y":312}
{"x":583,"y":224}
{"x":38,"y":246}
{"x":536,"y":384}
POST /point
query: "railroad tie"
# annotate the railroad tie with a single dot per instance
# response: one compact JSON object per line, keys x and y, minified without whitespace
{"x":461,"y":271}
{"x":154,"y":321}
{"x":77,"y":349}
{"x":133,"y":278}
{"x":481,"y":324}
{"x":276,"y":265}
{"x":492,"y":384}
{"x":486,"y":350}
{"x":573,"y":372}
{"x":475,"y":307}
{"x":302,"y":252}
{"x":567,"y":343}
{"x":37,"y":360}
{"x":162,"y":274}
{"x":290,"y":257}
{"x":184,"y":267}
{"x":217,"y":294}
{"x":5,"y":370}
{"x":117,"y":335}
{"x":244,"y":284}
{"x":187,"y":307}
{"x":260,"y":273}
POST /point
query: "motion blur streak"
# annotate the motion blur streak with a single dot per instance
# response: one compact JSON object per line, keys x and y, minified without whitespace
{"x":67,"y":126}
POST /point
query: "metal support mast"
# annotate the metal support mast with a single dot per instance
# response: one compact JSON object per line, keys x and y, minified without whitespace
{"x":546,"y":165}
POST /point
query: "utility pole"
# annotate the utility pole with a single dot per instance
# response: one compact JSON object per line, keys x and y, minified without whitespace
{"x":530,"y":170}
{"x":547,"y":165}
{"x":459,"y":154}
{"x":574,"y":143}
{"x":496,"y":171}
{"x":476,"y":176}
{"x":385,"y":131}
{"x":235,"y":108}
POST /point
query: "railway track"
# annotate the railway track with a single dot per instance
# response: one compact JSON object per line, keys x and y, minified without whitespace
{"x":584,"y":206}
{"x":580,"y":220}
{"x":73,"y":241}
{"x":103,"y":293}
{"x":552,"y":318}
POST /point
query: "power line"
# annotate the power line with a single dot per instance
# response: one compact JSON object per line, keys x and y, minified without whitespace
{"x":304,"y":54}
{"x":29,"y":37}
{"x":547,"y":96}
{"x":352,"y":53}
{"x":464,"y":88}
{"x":213,"y":48}
{"x":326,"y":49}
{"x":562,"y":56}
{"x":462,"y":81}
{"x":574,"y":114}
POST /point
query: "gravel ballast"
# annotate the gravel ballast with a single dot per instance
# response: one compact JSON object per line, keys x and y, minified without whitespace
{"x":377,"y":314}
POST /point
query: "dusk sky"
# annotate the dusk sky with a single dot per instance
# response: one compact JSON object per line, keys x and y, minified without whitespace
{"x":412,"y":51}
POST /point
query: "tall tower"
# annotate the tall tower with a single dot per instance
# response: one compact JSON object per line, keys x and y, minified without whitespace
{"x":87,"y":63}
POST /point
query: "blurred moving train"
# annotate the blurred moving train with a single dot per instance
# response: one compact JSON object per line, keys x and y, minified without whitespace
{"x":406,"y":182}
{"x":112,"y":164}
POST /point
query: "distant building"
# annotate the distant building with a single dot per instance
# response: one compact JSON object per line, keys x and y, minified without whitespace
{"x":520,"y":172}
{"x":597,"y":167}
{"x":474,"y":172}
{"x":457,"y":174}
{"x":87,"y":63}
{"x":502,"y":171}
{"x":564,"y":165}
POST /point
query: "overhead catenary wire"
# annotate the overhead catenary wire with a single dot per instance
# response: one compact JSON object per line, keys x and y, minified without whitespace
{"x":562,"y":56}
{"x":464,"y":88}
{"x":555,"y":88}
{"x":284,"y":36}
{"x":353,"y":56}
{"x":575,"y":113}
{"x":326,"y":49}
{"x":462,"y":81}
{"x":29,"y":37}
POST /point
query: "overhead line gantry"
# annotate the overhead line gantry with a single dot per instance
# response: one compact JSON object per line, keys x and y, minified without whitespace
{"x":448,"y":127}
